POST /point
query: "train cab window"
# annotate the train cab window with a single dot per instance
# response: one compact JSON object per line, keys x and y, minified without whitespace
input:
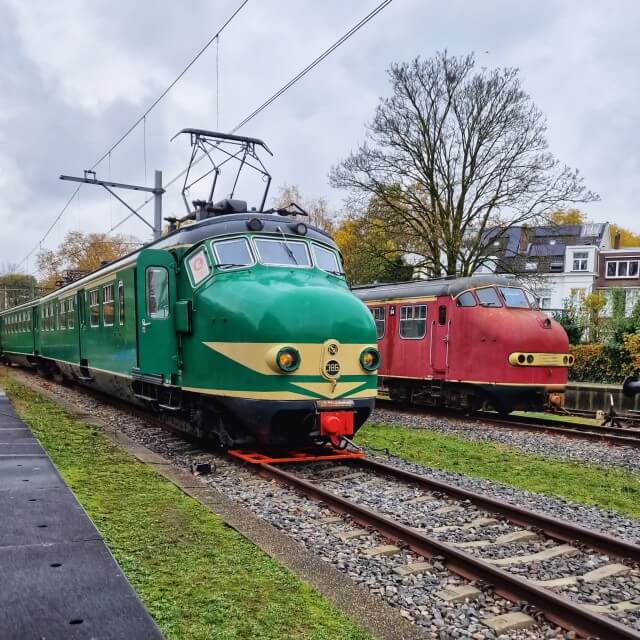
{"x":283,"y":252}
{"x":413,"y":321}
{"x":532,"y":299}
{"x":71,"y":316}
{"x":157,"y":292}
{"x":231,"y":254}
{"x":199,"y":268}
{"x":378,"y":316}
{"x":488,"y":297}
{"x":121,"y":302}
{"x":327,"y":260}
{"x":108,"y":310}
{"x":466,"y":299}
{"x":94,"y":308}
{"x":514,"y":297}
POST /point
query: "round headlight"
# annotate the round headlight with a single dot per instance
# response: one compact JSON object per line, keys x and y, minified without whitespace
{"x":370,"y":359}
{"x":571,"y":359}
{"x":521,"y":358}
{"x":255,"y":224}
{"x":288,"y":359}
{"x":529,"y":358}
{"x":566,"y":359}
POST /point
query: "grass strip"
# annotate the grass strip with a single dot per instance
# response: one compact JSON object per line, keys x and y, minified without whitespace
{"x":198,"y":578}
{"x":611,"y":489}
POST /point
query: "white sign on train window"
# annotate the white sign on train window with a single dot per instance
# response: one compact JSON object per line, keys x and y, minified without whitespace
{"x":199,"y":267}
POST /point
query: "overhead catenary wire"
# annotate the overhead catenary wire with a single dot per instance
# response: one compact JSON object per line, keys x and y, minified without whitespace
{"x":273,"y":97}
{"x":142,"y":118}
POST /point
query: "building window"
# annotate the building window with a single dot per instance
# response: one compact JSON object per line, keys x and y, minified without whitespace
{"x":121,"y":302}
{"x":580,"y":259}
{"x":530,"y":266}
{"x":413,"y":321}
{"x":487,"y":266}
{"x":94,"y":308}
{"x":108,"y":311}
{"x":544,"y":302}
{"x":378,"y":316}
{"x":556,"y":267}
{"x":622,"y":268}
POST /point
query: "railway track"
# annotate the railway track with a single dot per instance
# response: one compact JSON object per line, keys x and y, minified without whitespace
{"x":458,"y":557}
{"x":629,"y":437}
{"x":426,"y":529}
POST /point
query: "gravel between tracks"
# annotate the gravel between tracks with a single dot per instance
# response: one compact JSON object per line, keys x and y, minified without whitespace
{"x":300,"y":518}
{"x":557,"y":447}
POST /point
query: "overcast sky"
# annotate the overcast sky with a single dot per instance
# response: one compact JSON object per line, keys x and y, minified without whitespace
{"x":76,"y":74}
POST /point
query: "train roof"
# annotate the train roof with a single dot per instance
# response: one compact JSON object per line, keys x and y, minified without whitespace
{"x":427,"y":288}
{"x":221,"y":225}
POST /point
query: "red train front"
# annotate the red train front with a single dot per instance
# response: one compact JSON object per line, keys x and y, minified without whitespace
{"x":468,"y":342}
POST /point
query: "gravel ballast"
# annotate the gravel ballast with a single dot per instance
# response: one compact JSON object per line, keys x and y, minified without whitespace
{"x":413,"y":595}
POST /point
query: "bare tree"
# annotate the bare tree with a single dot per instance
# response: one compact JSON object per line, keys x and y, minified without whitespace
{"x":317,"y":208}
{"x":453,"y":153}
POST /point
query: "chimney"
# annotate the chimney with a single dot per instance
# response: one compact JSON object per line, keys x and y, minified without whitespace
{"x":616,"y":240}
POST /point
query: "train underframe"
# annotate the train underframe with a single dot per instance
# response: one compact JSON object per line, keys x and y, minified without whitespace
{"x":228,"y":422}
{"x":467,"y":396}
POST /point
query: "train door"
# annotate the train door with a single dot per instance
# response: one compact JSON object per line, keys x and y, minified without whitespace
{"x":155,"y":300}
{"x":439,"y":346}
{"x":80,"y":313}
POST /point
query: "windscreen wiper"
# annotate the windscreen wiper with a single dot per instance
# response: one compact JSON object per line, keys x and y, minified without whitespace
{"x":225,"y":265}
{"x":287,"y":247}
{"x":336,"y":273}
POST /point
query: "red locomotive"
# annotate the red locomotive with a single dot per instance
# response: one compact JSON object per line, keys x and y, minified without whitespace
{"x":466,"y":343}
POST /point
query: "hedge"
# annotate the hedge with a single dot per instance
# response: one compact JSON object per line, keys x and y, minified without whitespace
{"x":611,"y":362}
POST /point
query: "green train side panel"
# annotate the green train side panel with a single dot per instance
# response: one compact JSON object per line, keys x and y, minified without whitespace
{"x":16,"y":332}
{"x":110,"y":347}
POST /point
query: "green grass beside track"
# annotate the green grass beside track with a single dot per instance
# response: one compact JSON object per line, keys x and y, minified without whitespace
{"x":198,"y":578}
{"x":607,"y":488}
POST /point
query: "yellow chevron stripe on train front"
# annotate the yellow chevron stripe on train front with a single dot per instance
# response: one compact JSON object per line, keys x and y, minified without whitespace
{"x":257,"y":355}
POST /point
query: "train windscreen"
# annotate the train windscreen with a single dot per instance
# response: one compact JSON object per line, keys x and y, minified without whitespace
{"x":514,"y":297}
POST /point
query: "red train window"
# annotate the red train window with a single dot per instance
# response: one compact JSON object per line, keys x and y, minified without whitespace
{"x":466,"y":299}
{"x":442,"y":314}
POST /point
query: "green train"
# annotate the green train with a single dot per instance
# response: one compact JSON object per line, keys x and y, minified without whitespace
{"x":240,"y":327}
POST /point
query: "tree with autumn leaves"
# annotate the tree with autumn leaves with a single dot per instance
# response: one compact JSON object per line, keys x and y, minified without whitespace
{"x":81,"y":253}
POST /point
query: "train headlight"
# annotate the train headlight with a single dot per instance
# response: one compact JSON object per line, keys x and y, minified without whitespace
{"x":288,"y":359}
{"x":370,"y":359}
{"x":530,"y":359}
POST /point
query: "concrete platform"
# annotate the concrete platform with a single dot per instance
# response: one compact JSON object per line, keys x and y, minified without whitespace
{"x":59,"y":579}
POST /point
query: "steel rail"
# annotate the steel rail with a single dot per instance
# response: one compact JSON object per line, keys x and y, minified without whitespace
{"x":612,"y":435}
{"x":552,"y":527}
{"x":558,"y":610}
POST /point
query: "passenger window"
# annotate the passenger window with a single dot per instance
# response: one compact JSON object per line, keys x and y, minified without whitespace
{"x":378,"y":316}
{"x":121,"y":302}
{"x":108,"y":311}
{"x":157,"y":292}
{"x":413,"y":321}
{"x":199,"y":267}
{"x":326,"y":260}
{"x":94,"y":309}
{"x":71,"y":317}
{"x":488,"y":297}
{"x":466,"y":299}
{"x":442,"y":314}
{"x":63,"y":314}
{"x":232,"y":253}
